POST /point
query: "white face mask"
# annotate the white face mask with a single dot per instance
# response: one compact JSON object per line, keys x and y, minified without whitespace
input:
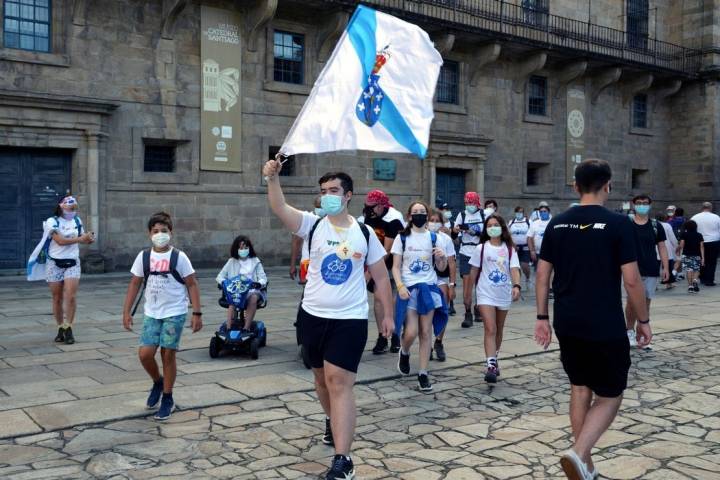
{"x":434,"y":226}
{"x":488,"y":211}
{"x":161,"y":239}
{"x":243,"y":252}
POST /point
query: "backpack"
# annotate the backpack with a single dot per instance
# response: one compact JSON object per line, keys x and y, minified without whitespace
{"x":513,"y":222}
{"x":433,"y":239}
{"x":44,"y":255}
{"x":482,"y":256}
{"x":363,"y":228}
{"x":174,"y":255}
{"x":655,"y":226}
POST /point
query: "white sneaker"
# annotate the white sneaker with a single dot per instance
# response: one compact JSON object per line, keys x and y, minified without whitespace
{"x":574,"y":467}
{"x":632,"y":338}
{"x":594,"y":474}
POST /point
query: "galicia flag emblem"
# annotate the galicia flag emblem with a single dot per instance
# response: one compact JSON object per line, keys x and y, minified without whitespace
{"x":369,"y":105}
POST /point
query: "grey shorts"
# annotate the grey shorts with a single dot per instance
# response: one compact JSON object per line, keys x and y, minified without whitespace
{"x":463,"y":264}
{"x":650,"y":284}
{"x":53,"y":273}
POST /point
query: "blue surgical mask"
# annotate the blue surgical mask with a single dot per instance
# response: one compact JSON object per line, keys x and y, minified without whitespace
{"x":642,"y":209}
{"x":244,"y":252}
{"x":494,"y":231}
{"x":471,"y":209}
{"x":544,"y":216}
{"x":519,"y":215}
{"x":447,"y":214}
{"x":331,"y":204}
{"x":320,"y":212}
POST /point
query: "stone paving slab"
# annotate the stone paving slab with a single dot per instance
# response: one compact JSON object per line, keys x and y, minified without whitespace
{"x":465,"y":429}
{"x":49,"y":381}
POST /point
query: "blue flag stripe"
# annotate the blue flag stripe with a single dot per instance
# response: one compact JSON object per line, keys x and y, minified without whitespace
{"x":361,"y":31}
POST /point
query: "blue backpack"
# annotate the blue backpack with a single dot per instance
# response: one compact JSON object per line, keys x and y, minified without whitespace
{"x":43,"y":255}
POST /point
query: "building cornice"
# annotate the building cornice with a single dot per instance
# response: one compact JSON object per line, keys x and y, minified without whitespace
{"x":55,"y":102}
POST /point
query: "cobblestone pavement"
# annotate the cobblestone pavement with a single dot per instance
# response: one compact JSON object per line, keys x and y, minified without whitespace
{"x":668,"y":429}
{"x":264,"y":412}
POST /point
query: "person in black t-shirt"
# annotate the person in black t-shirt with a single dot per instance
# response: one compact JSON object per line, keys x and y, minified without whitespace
{"x":590,"y":250}
{"x":387,"y":222}
{"x":692,"y":248}
{"x":650,"y":237}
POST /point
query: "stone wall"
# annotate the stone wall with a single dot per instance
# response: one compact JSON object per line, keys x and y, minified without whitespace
{"x":116,"y":55}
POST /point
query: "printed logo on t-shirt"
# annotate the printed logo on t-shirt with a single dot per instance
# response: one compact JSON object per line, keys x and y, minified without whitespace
{"x":419,"y":266}
{"x":335,"y":271}
{"x":159,"y":265}
{"x":499,"y":274}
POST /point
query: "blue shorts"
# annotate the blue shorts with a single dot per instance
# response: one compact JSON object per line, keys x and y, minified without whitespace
{"x":162,"y":332}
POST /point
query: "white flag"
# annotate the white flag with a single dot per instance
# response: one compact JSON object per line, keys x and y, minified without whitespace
{"x":375,"y":93}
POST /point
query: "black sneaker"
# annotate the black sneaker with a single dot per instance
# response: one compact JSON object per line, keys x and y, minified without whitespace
{"x":424,"y":383}
{"x":451,"y":310}
{"x":341,"y":469}
{"x":167,"y":406}
{"x":381,"y":346}
{"x":468,"y":321}
{"x":155,"y":393}
{"x":60,"y":336}
{"x":395,"y":343}
{"x":327,"y":438}
{"x":69,"y":338}
{"x":491,"y":374}
{"x":696,"y":287}
{"x":439,"y":351}
{"x":403,"y":365}
{"x":691,"y":289}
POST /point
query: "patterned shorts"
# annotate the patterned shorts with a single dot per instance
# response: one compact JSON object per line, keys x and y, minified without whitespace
{"x":691,"y":263}
{"x":53,"y":273}
{"x":162,"y":332}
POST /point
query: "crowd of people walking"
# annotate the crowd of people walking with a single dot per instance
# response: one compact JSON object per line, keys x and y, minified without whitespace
{"x":410,"y":263}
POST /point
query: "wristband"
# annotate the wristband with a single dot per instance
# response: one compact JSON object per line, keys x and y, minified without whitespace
{"x":543,"y":317}
{"x":644,"y":322}
{"x":199,"y":314}
{"x":517,"y":286}
{"x":451,"y":284}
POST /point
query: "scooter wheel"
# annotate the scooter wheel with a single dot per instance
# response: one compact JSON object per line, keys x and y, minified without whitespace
{"x":215,"y":347}
{"x":254,"y":348}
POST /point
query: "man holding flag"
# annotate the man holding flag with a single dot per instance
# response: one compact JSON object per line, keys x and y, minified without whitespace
{"x":375,"y":93}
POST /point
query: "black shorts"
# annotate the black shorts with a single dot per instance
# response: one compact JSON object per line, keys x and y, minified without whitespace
{"x":337,"y":341}
{"x":602,"y":366}
{"x":523,"y":253}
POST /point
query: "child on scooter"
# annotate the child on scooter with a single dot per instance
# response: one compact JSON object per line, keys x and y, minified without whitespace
{"x":243,"y":261}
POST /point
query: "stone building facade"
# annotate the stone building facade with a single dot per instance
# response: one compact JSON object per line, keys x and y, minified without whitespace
{"x":103,"y":98}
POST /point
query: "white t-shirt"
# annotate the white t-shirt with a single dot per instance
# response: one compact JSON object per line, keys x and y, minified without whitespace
{"x":708,"y":225}
{"x":336,"y":275}
{"x":494,"y":285}
{"x":537,"y":232}
{"x":671,"y":241}
{"x":417,"y":260}
{"x":445,"y":242}
{"x":249,"y":267}
{"x":468,"y":241}
{"x":67,"y":229}
{"x":164,"y":296}
{"x":519,"y":231}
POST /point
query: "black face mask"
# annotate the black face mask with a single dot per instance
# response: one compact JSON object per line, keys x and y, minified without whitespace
{"x":369,"y":212}
{"x":419,"y":219}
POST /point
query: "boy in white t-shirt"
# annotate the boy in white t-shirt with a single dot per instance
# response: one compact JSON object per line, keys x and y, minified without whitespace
{"x":334,"y":309}
{"x":169,"y":278}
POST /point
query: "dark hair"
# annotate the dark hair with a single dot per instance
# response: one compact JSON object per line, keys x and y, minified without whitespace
{"x":661,"y":217}
{"x":591,"y":175}
{"x":679,"y":212}
{"x":58,"y":211}
{"x":505,"y":236}
{"x":162,"y":218}
{"x":518,"y":208}
{"x":436,"y":213}
{"x":690,"y":226}
{"x":642,"y":196}
{"x":236,"y":245}
{"x":406,"y":231}
{"x":490,"y":200}
{"x":345,"y":180}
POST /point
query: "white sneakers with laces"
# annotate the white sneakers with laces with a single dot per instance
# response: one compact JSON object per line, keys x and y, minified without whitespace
{"x":575,"y":468}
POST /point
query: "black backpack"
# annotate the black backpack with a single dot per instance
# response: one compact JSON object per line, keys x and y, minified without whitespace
{"x":174,"y":255}
{"x":363,"y":227}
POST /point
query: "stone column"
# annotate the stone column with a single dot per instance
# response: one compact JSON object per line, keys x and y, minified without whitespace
{"x":432,"y":188}
{"x":480,"y":178}
{"x":94,"y":262}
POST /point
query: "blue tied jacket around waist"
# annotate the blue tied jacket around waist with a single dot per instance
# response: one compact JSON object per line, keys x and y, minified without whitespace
{"x":425,"y":303}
